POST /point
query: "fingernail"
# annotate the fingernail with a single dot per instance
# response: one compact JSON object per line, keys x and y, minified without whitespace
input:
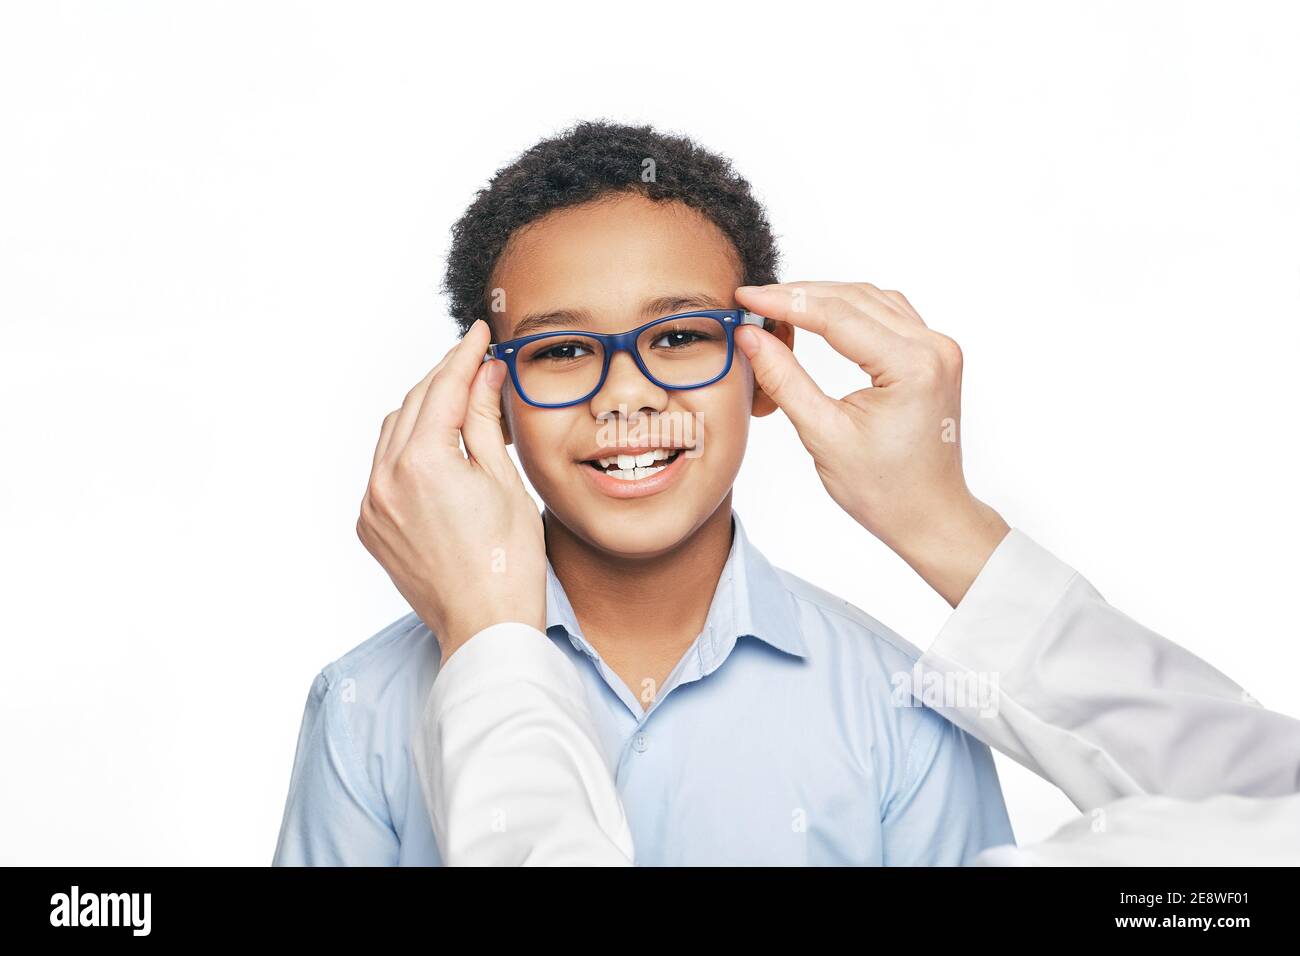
{"x":748,"y":342}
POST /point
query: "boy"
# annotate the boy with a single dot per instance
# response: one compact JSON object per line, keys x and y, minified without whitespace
{"x":748,"y":717}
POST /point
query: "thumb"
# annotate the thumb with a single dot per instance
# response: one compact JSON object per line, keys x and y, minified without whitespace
{"x":482,"y":429}
{"x":785,"y":381}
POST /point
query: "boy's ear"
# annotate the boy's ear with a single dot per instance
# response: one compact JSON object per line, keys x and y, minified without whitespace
{"x":763,"y":404}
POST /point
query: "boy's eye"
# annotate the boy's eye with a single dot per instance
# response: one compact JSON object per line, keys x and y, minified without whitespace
{"x":678,"y":338}
{"x":563,"y":351}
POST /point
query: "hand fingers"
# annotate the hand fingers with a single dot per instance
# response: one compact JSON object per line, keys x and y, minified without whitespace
{"x":900,"y":315}
{"x":385,"y":435}
{"x":893,"y":306}
{"x":907,"y":306}
{"x":786,"y":381}
{"x":446,"y":400}
{"x":851,"y":331}
{"x":410,"y":410}
{"x":482,"y":429}
{"x":880,"y":305}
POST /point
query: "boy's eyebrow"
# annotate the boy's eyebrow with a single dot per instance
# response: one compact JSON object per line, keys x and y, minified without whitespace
{"x":669,"y":304}
{"x":557,"y":319}
{"x":578,"y":318}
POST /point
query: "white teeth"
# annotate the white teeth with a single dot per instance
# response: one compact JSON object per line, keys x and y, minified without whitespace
{"x":634,"y":474}
{"x":643,"y":460}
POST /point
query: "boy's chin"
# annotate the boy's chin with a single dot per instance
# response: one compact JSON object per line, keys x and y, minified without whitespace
{"x":637,"y":532}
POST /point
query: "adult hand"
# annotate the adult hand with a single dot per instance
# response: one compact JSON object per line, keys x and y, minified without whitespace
{"x":889,"y":454}
{"x":459,"y":536}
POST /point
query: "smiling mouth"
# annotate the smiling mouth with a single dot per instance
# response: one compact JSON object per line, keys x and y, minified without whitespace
{"x":635,"y":467}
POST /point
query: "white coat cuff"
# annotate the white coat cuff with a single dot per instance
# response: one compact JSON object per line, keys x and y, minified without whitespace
{"x":499,"y":655}
{"x":1009,"y":601}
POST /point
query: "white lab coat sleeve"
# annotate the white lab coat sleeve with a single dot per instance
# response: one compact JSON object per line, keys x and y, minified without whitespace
{"x":1091,"y":700}
{"x":509,"y":764}
{"x":1227,"y":830}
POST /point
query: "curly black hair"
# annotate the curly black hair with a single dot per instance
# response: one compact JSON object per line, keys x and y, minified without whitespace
{"x":586,"y":162}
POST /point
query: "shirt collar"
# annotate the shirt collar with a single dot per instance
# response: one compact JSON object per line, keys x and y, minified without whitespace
{"x":751,"y":600}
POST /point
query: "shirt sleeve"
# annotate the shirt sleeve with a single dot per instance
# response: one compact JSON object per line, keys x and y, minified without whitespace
{"x":508,"y":759}
{"x":949,"y":806}
{"x":334,"y":816}
{"x":1096,"y":703}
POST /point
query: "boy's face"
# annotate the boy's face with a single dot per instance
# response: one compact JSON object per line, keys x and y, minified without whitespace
{"x":619,"y":263}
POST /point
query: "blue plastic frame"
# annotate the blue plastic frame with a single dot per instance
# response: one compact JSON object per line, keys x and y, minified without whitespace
{"x":615,"y":342}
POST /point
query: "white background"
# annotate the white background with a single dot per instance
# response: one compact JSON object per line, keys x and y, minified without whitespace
{"x":221,"y":237}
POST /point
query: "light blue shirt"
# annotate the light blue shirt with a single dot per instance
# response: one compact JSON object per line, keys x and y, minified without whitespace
{"x":778,"y":739}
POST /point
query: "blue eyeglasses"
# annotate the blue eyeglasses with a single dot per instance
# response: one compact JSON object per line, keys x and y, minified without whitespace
{"x":683,"y":351}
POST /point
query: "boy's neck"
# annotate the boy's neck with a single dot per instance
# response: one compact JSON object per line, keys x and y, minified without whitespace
{"x":642,"y":614}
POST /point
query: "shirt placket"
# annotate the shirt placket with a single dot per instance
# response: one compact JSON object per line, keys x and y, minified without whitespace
{"x":689,"y":669}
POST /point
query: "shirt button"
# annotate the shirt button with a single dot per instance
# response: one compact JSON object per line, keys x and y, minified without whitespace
{"x":640,"y":743}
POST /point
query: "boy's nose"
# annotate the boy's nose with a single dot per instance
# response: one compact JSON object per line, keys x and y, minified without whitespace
{"x":625,"y":386}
